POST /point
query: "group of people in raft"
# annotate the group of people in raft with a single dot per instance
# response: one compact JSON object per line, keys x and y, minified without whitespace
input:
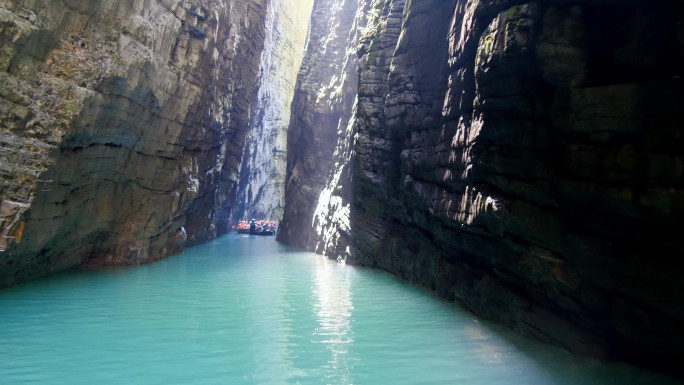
{"x":254,"y":227}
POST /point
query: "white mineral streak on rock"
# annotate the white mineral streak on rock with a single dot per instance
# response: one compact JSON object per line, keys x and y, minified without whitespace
{"x":326,"y":99}
{"x":264,"y":162}
{"x":331,"y":219}
{"x":332,"y":215}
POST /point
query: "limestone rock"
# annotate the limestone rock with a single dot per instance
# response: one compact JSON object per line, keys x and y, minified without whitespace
{"x":322,"y":108}
{"x":522,"y":158}
{"x":261,"y":191}
{"x":122,"y":127}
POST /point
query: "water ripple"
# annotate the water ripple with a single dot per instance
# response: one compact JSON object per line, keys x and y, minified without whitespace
{"x":246,"y":310}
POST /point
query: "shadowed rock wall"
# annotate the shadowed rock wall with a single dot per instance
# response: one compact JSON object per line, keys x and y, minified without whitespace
{"x":520,"y":157}
{"x":323,"y":112}
{"x":123,"y":124}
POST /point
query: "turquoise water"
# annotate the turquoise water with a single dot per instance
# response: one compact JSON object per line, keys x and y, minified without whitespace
{"x":246,"y":310}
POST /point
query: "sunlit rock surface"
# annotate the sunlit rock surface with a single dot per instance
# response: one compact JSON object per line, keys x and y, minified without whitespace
{"x":520,"y":157}
{"x":122,"y":127}
{"x":319,"y":136}
{"x":261,"y":191}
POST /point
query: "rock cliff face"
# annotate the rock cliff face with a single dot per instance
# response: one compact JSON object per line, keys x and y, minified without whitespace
{"x":323,"y":111}
{"x":123,"y":124}
{"x":521,"y":157}
{"x":261,"y":191}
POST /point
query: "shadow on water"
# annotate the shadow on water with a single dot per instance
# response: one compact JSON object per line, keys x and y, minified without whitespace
{"x":497,"y":345}
{"x":494,"y":343}
{"x":567,"y":368}
{"x":248,"y":310}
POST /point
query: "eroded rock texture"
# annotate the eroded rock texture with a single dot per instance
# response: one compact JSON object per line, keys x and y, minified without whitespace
{"x":521,"y":157}
{"x":323,"y":112}
{"x":123,"y":124}
{"x":261,"y":191}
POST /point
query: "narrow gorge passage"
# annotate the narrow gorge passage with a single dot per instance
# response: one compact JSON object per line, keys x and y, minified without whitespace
{"x":522,"y":159}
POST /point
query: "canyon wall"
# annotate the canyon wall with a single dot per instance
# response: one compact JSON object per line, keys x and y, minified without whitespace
{"x":323,"y":112}
{"x":522,"y":158}
{"x":123,"y":125}
{"x":261,"y":189}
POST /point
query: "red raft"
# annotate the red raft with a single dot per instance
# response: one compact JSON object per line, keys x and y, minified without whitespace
{"x":255,"y":227}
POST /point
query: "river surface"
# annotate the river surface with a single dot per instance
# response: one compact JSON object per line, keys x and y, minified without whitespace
{"x":246,"y":310}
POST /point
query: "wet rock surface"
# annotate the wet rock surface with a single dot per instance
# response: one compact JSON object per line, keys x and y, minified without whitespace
{"x":522,"y":158}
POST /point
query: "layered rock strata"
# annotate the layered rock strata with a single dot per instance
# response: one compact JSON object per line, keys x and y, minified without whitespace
{"x":520,"y":157}
{"x":123,"y":124}
{"x":261,"y":191}
{"x":323,"y":112}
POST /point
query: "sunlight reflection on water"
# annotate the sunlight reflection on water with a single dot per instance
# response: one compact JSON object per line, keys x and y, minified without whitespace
{"x":246,"y":310}
{"x":333,"y":306}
